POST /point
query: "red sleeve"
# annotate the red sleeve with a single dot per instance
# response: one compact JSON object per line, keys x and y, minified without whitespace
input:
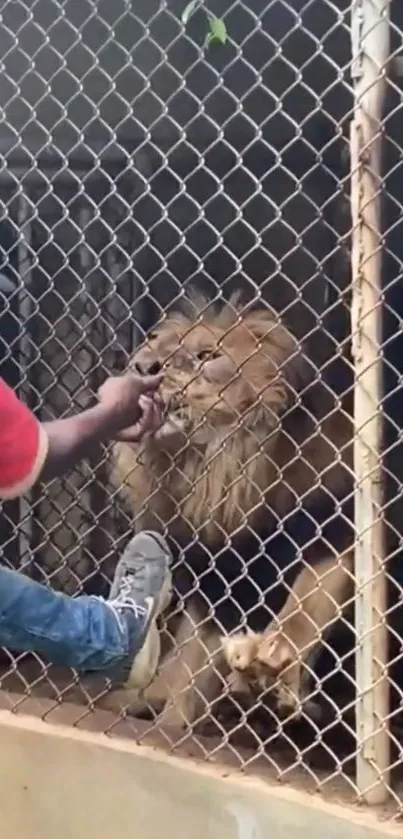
{"x":23,"y":445}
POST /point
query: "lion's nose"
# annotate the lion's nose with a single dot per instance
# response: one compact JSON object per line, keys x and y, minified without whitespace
{"x":148,"y":368}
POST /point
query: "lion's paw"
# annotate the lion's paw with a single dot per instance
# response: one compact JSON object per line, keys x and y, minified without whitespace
{"x":240,"y":650}
{"x":275,"y":652}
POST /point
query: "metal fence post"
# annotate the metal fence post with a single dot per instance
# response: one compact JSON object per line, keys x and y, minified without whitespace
{"x":370,"y":53}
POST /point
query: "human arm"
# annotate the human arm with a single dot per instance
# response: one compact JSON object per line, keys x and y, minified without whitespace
{"x":72,"y":439}
{"x":30,"y":450}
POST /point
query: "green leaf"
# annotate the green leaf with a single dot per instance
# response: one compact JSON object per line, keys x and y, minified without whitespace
{"x":189,"y":10}
{"x":218,"y":31}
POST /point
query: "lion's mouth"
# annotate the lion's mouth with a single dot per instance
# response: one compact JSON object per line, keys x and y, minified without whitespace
{"x":175,"y":419}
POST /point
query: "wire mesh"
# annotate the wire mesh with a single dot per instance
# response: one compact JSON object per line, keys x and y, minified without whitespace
{"x":137,"y":167}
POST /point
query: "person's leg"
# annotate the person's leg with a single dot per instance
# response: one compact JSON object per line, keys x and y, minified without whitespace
{"x":118,"y":636}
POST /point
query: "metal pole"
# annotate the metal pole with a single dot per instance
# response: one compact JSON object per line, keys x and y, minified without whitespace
{"x":370,"y":53}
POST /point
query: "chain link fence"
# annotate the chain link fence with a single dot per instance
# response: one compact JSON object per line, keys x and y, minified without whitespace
{"x":140,"y":165}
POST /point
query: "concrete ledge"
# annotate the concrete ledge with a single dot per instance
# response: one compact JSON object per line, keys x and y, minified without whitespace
{"x":59,"y":782}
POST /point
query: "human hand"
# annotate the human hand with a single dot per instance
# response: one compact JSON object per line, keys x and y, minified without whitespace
{"x":133,"y":403}
{"x":149,"y":422}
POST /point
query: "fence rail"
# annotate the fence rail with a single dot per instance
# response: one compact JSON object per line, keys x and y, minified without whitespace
{"x":140,"y":165}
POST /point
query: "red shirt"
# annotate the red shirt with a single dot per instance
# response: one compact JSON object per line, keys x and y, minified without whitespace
{"x":23,"y":445}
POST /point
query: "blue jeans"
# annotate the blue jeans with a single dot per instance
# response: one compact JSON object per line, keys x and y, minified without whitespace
{"x":81,"y":632}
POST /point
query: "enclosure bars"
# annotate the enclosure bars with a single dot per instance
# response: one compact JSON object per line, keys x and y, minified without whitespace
{"x":370,"y":53}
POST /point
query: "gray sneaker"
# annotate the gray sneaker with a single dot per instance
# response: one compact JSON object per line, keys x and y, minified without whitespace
{"x":141,"y":590}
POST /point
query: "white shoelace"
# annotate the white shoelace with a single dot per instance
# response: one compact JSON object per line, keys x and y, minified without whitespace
{"x":124,"y":601}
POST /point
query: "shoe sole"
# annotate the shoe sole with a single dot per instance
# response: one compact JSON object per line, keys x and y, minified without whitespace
{"x":145,"y":664}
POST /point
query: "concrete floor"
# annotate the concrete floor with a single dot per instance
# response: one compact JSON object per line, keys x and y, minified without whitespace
{"x":69,"y":784}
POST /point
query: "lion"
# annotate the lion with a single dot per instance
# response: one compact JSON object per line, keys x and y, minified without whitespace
{"x":249,"y":431}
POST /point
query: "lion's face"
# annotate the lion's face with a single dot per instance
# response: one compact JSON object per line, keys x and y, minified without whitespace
{"x":229,"y":377}
{"x":219,"y":371}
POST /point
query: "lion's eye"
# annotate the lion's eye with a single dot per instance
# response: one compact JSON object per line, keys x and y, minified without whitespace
{"x":151,"y":336}
{"x":208,"y":355}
